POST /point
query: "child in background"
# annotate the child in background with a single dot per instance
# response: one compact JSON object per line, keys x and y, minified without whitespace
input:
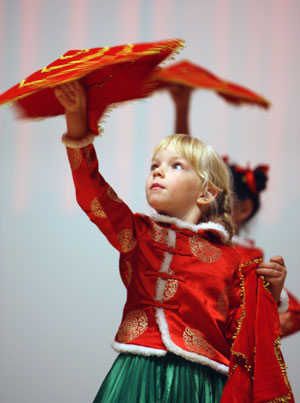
{"x":185,"y":308}
{"x":248,"y":185}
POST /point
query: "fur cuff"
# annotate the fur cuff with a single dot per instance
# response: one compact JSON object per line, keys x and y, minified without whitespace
{"x":283,"y":304}
{"x":78,"y":143}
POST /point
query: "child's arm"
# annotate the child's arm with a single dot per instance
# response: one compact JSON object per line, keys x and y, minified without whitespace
{"x":274,"y":272}
{"x":94,"y":195}
{"x":290,"y":320}
{"x":181,"y":95}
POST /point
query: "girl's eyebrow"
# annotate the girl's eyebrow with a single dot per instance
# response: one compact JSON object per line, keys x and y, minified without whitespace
{"x":177,"y":157}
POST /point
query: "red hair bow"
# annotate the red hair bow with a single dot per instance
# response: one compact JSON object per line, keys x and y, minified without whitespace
{"x":249,"y":177}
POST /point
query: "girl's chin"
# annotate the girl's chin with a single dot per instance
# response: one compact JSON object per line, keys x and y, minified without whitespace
{"x":163,"y":212}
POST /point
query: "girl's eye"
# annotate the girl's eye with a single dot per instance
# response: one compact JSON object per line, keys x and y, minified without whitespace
{"x":153,"y":167}
{"x":177,"y":166}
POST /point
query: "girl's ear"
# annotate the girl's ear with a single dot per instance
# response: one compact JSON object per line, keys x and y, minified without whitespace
{"x":207,"y":197}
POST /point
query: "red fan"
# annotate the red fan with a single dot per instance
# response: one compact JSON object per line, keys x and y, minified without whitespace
{"x":191,"y":75}
{"x":109,"y":75}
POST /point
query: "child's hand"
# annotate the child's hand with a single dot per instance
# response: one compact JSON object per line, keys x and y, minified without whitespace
{"x":274,"y":272}
{"x":71,"y":95}
{"x":73,"y":98}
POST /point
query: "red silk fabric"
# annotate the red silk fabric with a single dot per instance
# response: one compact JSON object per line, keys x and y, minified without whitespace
{"x":191,"y":75}
{"x":109,"y":75}
{"x":290,"y":320}
{"x":257,"y":371}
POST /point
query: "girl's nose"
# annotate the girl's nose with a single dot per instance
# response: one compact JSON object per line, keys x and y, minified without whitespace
{"x":159,"y":171}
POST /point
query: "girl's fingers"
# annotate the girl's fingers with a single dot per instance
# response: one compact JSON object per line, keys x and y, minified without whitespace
{"x":59,"y":93}
{"x":270,"y":274}
{"x":277,"y":259}
{"x":272,"y":266}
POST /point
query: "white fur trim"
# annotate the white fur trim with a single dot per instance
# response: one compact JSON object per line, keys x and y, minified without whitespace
{"x":214,"y":227}
{"x":161,"y":283}
{"x":171,"y":242}
{"x":283,"y":304}
{"x":135,"y":349}
{"x":78,"y":143}
{"x":239,"y":240}
{"x":171,"y":346}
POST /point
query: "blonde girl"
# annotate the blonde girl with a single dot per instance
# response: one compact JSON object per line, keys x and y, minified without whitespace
{"x":181,"y":273}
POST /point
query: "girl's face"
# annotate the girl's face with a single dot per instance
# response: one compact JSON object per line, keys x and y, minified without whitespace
{"x":173,"y":187}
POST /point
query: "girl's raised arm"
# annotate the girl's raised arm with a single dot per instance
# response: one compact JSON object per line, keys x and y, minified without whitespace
{"x":94,"y":195}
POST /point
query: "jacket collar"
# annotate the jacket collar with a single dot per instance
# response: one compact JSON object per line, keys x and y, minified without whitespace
{"x":241,"y":241}
{"x":216,"y":228}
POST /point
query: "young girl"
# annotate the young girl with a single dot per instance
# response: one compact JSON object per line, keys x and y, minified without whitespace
{"x":183,"y":321}
{"x":248,"y":184}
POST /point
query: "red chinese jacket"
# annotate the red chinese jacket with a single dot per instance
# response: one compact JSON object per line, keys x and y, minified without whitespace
{"x":185,"y":289}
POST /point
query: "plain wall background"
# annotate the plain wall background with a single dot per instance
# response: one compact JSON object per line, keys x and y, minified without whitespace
{"x":61,"y":297}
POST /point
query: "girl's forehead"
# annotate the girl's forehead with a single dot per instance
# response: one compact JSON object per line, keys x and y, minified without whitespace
{"x":168,"y":152}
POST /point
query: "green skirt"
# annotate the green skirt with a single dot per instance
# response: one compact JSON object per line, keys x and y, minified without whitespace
{"x":168,"y":379}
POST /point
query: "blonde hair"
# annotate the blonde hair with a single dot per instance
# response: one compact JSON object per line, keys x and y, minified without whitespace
{"x":213,"y":172}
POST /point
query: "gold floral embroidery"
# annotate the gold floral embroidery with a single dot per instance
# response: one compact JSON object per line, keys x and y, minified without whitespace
{"x":113,"y":195}
{"x":159,"y":234}
{"x":75,"y":158}
{"x":171,"y":287}
{"x":128,"y":273}
{"x":134,"y":324}
{"x":126,"y":239}
{"x":97,"y":209}
{"x":196,"y":342}
{"x":203,"y":250}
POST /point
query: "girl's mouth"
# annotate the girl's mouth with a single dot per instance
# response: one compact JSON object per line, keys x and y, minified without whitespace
{"x":156,"y":186}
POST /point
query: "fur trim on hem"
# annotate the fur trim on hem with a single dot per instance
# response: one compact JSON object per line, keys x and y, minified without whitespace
{"x":173,"y":348}
{"x":80,"y":143}
{"x":283,"y":304}
{"x":214,"y":227}
{"x":135,"y":349}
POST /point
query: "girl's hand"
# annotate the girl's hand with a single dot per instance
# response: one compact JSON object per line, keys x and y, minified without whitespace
{"x":274,"y":272}
{"x":73,"y":98}
{"x":71,"y":95}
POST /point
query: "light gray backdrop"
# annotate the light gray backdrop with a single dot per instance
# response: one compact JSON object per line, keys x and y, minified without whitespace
{"x":60,"y":294}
